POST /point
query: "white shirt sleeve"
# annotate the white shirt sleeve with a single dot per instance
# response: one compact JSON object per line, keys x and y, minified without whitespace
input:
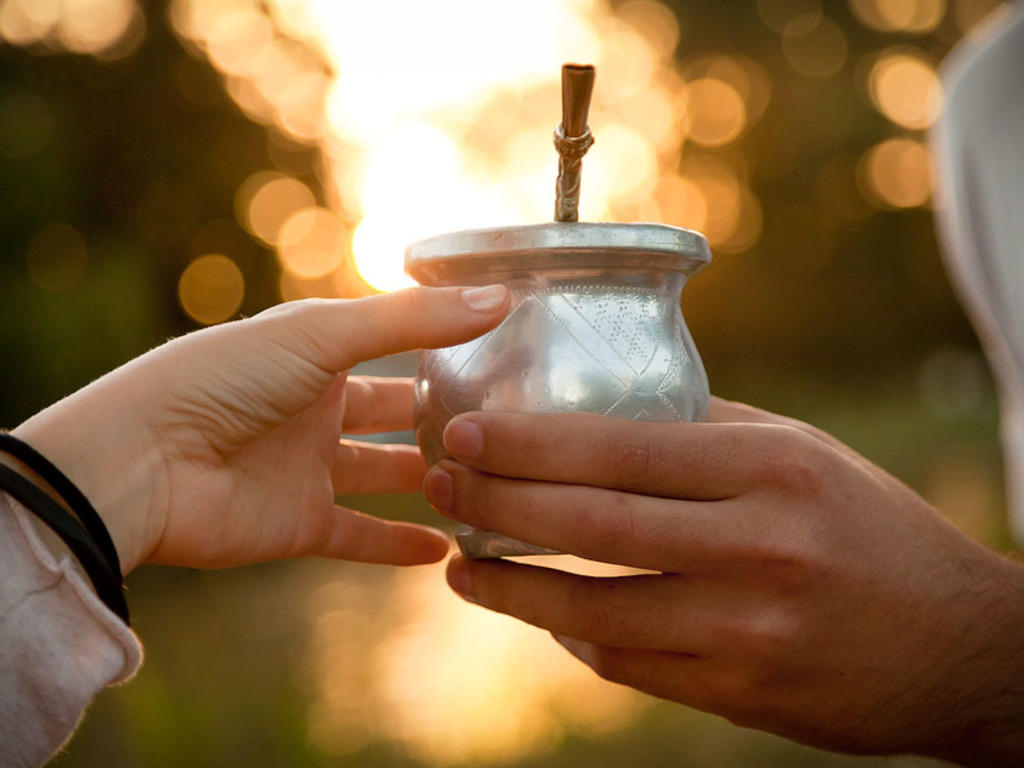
{"x":59,"y":644}
{"x":979,"y":150}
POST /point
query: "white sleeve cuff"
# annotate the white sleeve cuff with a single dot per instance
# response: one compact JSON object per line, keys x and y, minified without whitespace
{"x":59,"y":644}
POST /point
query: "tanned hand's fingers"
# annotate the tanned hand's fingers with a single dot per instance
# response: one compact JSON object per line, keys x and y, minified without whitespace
{"x":377,"y":404}
{"x":374,"y":468}
{"x":594,"y":523}
{"x":638,"y":611}
{"x":674,"y":460}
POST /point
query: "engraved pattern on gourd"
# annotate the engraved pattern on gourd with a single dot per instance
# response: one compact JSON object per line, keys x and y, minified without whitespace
{"x":630,"y":329}
{"x":619,"y":329}
{"x":449,"y":362}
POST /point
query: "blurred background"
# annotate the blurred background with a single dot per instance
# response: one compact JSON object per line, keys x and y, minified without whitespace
{"x":171,"y":164}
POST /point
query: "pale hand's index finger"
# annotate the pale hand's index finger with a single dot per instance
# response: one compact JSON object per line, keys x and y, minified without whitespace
{"x":367,"y":539}
{"x":336,"y":334}
{"x":375,"y":468}
{"x":377,"y":404}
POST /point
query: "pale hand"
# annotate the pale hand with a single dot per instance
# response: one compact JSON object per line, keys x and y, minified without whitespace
{"x":791,"y":585}
{"x":222,"y":447}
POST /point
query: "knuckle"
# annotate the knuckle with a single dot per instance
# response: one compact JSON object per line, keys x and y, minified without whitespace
{"x":786,"y":567}
{"x":799,"y":568}
{"x":809,"y":430}
{"x":795,"y":461}
{"x":411,"y":300}
{"x":298,"y":328}
{"x":791,"y":575}
{"x":770,"y":640}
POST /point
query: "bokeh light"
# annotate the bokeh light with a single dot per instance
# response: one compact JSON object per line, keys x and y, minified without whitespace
{"x":724,"y":200}
{"x":312,"y":242}
{"x":912,"y":16}
{"x":658,"y":25}
{"x":746,"y":76}
{"x":103,"y":28}
{"x":437,"y":127}
{"x":682,"y":203}
{"x":748,"y":226}
{"x":211,"y":289}
{"x":93,"y":26}
{"x":266,"y":200}
{"x":897,"y":173}
{"x":714,"y":113}
{"x":905,"y":88}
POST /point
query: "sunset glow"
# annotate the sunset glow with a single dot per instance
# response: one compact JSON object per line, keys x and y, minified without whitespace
{"x":429,"y":126}
{"x":451,"y":682}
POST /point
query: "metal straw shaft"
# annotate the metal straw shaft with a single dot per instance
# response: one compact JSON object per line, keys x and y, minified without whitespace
{"x":572,"y":138}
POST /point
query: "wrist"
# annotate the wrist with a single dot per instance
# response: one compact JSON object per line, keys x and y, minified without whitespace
{"x":989,"y":721}
{"x":110,"y":458}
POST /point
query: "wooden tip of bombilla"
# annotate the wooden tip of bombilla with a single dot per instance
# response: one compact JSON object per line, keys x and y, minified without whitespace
{"x":577,"y":88}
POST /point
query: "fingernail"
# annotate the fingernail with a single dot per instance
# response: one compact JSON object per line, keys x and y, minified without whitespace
{"x":437,"y":487}
{"x":464,"y":438}
{"x":486,"y":299}
{"x":460,"y":579}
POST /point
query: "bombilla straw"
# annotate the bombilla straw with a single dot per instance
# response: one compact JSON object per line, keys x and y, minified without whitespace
{"x":572,"y":138}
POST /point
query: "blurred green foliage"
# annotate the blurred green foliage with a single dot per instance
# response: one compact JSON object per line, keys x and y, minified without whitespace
{"x":142,"y":156}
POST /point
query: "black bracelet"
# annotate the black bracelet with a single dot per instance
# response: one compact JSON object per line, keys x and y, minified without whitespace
{"x":67,"y":490}
{"x":106,"y":581}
